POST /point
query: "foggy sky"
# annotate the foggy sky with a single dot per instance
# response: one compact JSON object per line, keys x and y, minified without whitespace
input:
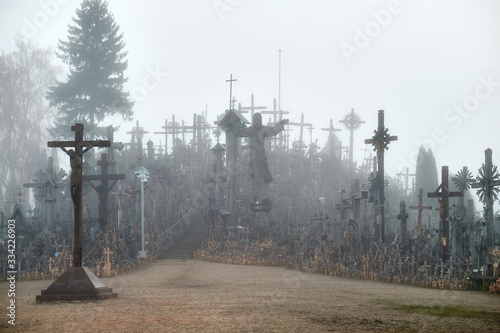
{"x":432,"y":66}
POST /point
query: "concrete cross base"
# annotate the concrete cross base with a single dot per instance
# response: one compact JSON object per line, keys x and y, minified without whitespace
{"x":76,"y":284}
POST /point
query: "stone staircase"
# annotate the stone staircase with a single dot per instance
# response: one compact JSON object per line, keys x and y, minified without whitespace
{"x":191,"y":241}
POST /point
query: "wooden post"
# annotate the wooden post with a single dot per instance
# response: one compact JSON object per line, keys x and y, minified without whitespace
{"x":103,"y":189}
{"x":420,"y":207}
{"x":380,"y":141}
{"x":443,"y":199}
{"x":496,"y":253}
{"x":487,"y":183}
{"x":301,"y":125}
{"x":403,"y":216}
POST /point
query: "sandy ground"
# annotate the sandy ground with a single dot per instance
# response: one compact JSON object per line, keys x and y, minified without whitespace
{"x":197,"y":296}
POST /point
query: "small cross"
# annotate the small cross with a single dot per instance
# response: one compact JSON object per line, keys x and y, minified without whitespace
{"x":231,"y":80}
{"x":69,"y":258}
{"x":496,"y":253}
{"x":107,"y":253}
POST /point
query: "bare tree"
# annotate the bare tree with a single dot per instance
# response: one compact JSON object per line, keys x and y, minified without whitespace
{"x":25,"y":75}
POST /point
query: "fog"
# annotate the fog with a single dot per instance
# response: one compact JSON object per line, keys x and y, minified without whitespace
{"x":433,"y":67}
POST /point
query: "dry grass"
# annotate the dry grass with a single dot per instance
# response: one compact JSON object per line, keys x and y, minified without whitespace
{"x":196,"y":296}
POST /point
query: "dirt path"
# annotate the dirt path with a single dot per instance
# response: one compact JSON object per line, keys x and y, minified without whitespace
{"x":196,"y":296}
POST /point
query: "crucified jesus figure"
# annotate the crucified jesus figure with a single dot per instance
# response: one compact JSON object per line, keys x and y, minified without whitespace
{"x":75,"y":161}
{"x":259,"y":168}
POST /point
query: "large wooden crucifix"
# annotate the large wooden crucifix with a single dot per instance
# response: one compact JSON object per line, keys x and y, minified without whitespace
{"x":444,"y":210}
{"x":352,"y":121}
{"x":76,"y":161}
{"x":103,"y":189}
{"x":301,"y":125}
{"x":380,"y":141}
{"x":487,"y":184}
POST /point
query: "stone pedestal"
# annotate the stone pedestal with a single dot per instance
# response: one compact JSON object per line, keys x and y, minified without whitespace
{"x":76,"y":284}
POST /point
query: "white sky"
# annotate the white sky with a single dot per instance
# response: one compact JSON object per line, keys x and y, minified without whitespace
{"x":422,"y":62}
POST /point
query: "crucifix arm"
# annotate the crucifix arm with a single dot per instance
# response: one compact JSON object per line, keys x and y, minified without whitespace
{"x":58,"y":144}
{"x":91,"y":145}
{"x":112,"y":185}
{"x":280,"y":126}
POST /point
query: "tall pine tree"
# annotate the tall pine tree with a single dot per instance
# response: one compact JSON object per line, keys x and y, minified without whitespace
{"x":426,"y":175}
{"x":96,"y":58}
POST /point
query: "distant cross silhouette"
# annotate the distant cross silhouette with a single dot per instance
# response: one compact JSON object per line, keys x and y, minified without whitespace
{"x":231,"y":80}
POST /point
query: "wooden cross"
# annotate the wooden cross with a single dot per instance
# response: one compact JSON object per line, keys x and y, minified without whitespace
{"x":442,"y":265}
{"x":107,"y":264}
{"x":403,"y":216}
{"x":70,"y":258}
{"x":444,"y":204}
{"x":137,"y":135}
{"x":47,"y":183}
{"x":380,"y":141}
{"x":302,"y":125}
{"x":426,"y":267}
{"x":251,"y":108}
{"x":231,"y":80}
{"x":275,"y":112}
{"x":496,"y":253}
{"x":76,"y":162}
{"x":331,"y":134}
{"x":103,"y":189}
{"x":343,"y":206}
{"x":406,"y":175}
{"x":356,"y":196}
{"x":352,"y":121}
{"x":114,"y":146}
{"x":280,"y":113}
{"x":50,"y":268}
{"x":487,"y":185}
{"x":173,"y":129}
{"x":119,"y":195}
{"x":420,"y":207}
{"x":400,"y":263}
{"x":166,"y":127}
{"x":107,"y":252}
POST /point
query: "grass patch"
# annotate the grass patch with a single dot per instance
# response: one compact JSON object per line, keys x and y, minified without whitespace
{"x":448,"y":311}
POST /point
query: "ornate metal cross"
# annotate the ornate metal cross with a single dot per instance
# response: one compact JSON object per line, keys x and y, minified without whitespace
{"x":380,"y":142}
